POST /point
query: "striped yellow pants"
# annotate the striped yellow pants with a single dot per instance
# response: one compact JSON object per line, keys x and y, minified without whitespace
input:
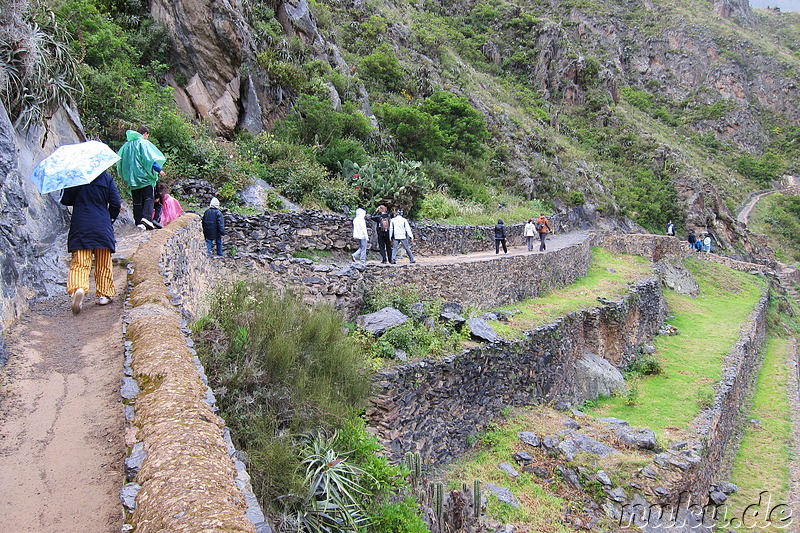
{"x":81,"y":265}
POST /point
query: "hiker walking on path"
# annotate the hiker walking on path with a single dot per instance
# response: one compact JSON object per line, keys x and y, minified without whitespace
{"x":382,"y":221}
{"x":543,"y":227}
{"x":500,"y":237}
{"x":671,"y":229}
{"x":213,"y":227}
{"x":95,"y":207}
{"x":140,"y":166}
{"x":400,"y":231}
{"x":361,"y":235}
{"x":529,"y":232}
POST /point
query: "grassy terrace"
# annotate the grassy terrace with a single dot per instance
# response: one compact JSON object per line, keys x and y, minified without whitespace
{"x":762,"y":461}
{"x":609,"y":276}
{"x":691,"y":362}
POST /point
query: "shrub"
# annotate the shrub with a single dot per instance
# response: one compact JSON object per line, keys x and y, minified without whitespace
{"x":644,"y":365}
{"x":313,"y":121}
{"x":399,"y":517}
{"x":762,"y":169}
{"x":278,"y":368}
{"x":383,"y":68}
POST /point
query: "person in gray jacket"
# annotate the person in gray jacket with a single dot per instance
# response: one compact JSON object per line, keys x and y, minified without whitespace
{"x":400,"y":231}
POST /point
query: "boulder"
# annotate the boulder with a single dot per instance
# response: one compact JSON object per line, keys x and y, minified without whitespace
{"x":575,"y":443}
{"x":641,"y":438}
{"x":508,"y":469}
{"x":503,"y":494}
{"x":677,"y":277}
{"x":529,"y":438}
{"x":378,"y":322}
{"x":596,"y":377}
{"x":480,"y":330}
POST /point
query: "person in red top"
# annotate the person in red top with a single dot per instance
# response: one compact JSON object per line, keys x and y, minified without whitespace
{"x":543,"y":227}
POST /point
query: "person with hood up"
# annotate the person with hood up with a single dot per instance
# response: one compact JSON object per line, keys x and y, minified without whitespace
{"x":400,"y":231}
{"x":361,"y":235}
{"x":213,"y":227}
{"x":500,"y":237}
{"x":530,"y":233}
{"x":140,"y":165}
{"x":95,"y":207}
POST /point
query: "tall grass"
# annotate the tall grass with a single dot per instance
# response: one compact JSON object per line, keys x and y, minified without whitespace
{"x":279,"y":369}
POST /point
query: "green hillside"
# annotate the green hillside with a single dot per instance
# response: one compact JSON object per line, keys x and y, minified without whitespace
{"x":476,"y":105}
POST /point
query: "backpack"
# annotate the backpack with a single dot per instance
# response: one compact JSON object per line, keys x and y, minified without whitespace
{"x":539,"y":225}
{"x":385,"y":223}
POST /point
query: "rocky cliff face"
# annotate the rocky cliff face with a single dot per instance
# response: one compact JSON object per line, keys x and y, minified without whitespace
{"x":32,"y":226}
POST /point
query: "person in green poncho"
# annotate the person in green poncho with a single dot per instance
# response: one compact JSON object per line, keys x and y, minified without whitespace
{"x":140,"y":166}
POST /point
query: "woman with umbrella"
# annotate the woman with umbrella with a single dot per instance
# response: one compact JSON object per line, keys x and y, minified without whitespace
{"x":95,"y":207}
{"x":79,"y":169}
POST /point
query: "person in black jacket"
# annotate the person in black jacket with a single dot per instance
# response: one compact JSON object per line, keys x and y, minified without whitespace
{"x":500,"y":237}
{"x":383,"y":221}
{"x":213,"y":227}
{"x":95,"y":207}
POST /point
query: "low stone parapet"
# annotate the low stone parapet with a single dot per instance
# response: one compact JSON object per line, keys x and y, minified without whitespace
{"x":180,"y":471}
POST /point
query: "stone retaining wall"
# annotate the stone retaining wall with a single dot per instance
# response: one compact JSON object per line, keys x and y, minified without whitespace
{"x":436,"y":407}
{"x":180,"y":471}
{"x":483,"y":284}
{"x":655,"y":247}
{"x":278,"y":234}
{"x":717,"y":426}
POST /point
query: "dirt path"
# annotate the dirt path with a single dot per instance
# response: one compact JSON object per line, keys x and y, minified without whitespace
{"x":61,"y":422}
{"x":553,"y":243}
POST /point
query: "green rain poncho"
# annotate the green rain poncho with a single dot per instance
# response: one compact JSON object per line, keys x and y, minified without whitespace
{"x":137,"y":157}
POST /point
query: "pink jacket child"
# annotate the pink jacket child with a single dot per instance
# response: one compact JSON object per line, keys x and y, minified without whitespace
{"x":170,"y":210}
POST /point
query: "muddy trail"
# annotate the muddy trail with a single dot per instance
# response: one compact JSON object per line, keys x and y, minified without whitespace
{"x":62,"y":439}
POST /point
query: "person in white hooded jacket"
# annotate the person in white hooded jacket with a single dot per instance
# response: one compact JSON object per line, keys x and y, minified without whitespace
{"x":400,"y":231}
{"x":360,"y":233}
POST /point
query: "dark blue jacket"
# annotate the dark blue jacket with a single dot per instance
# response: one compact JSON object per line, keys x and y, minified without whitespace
{"x":213,"y":224}
{"x":95,"y":207}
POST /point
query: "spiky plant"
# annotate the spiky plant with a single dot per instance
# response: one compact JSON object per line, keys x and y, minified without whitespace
{"x":37,"y":68}
{"x":334,"y":500}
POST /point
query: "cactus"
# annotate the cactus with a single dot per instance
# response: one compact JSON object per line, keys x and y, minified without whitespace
{"x":437,"y":495}
{"x":476,"y":499}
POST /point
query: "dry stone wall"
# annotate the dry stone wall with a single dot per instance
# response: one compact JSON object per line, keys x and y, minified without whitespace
{"x":276,"y":234}
{"x":482,"y":284}
{"x":437,"y":407}
{"x":181,"y":472}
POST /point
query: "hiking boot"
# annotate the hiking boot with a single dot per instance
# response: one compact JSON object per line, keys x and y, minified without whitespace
{"x":158,"y":225}
{"x":77,"y":301}
{"x":148,"y":224}
{"x":104,"y":300}
{"x":141,"y":227}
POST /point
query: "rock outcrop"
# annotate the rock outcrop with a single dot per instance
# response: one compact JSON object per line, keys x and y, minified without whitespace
{"x":32,"y":226}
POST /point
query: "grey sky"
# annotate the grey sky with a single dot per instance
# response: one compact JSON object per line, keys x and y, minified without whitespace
{"x":785,"y":5}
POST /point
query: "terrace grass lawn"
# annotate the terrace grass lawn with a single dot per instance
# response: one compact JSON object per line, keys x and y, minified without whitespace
{"x":708,"y":326}
{"x":762,"y":461}
{"x":609,"y":276}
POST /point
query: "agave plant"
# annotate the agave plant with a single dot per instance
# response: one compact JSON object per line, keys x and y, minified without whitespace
{"x":333,"y":502}
{"x":38,"y":70}
{"x":388,"y":181}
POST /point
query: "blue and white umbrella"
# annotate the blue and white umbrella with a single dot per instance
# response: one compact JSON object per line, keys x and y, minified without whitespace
{"x":72,"y":165}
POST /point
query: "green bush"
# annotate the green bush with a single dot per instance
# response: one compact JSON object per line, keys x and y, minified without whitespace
{"x":762,"y":169}
{"x":279,"y":369}
{"x":383,"y":68}
{"x":313,"y":121}
{"x":399,"y":517}
{"x":644,"y":365}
